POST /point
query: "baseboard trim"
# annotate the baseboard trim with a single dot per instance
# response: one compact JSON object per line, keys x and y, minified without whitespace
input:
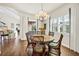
{"x":70,"y":49}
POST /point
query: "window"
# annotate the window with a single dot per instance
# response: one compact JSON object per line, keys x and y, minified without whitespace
{"x":61,"y":24}
{"x":67,"y":28}
{"x":55,"y":25}
{"x":66,"y":23}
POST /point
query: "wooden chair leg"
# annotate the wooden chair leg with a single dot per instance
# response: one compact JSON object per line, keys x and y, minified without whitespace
{"x":59,"y":52}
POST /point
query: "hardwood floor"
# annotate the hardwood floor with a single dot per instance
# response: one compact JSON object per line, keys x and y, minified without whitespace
{"x":18,"y":48}
{"x":14,"y":48}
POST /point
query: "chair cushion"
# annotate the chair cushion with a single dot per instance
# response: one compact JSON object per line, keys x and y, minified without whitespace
{"x":38,"y":48}
{"x":53,"y":44}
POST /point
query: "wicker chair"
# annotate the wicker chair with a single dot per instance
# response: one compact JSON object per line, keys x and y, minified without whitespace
{"x":29,"y":39}
{"x":39,"y":49}
{"x":55,"y":47}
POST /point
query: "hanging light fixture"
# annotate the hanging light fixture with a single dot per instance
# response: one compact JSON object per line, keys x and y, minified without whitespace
{"x":42,"y":15}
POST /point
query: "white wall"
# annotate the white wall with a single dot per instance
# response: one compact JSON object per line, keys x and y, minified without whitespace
{"x":77,"y":29}
{"x":23,"y":27}
{"x":73,"y":42}
{"x":24,"y":24}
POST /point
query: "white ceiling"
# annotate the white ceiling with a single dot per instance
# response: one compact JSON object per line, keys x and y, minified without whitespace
{"x":33,"y":8}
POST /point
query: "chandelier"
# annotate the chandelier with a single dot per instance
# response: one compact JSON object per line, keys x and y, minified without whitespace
{"x":42,"y":15}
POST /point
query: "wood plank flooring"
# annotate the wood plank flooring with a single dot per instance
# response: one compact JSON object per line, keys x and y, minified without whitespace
{"x":18,"y":48}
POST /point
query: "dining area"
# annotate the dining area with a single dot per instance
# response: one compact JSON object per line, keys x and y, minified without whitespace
{"x":42,"y":44}
{"x":41,"y":32}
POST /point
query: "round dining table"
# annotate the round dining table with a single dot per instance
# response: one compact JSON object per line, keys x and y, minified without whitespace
{"x":47,"y":38}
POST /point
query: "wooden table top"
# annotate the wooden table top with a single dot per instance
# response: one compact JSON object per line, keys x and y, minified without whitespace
{"x":47,"y":38}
